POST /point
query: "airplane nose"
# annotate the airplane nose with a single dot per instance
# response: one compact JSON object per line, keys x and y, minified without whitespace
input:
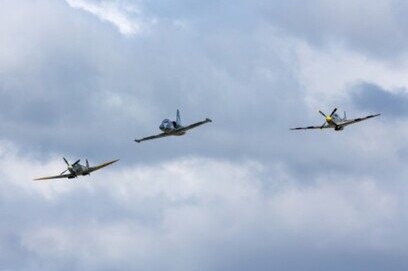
{"x":329,"y":119}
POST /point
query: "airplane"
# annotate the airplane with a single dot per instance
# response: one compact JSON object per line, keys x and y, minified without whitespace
{"x":173,"y":128}
{"x":76,"y":169}
{"x":335,"y":121}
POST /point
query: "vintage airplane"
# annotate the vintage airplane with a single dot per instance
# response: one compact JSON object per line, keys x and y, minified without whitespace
{"x":173,"y":128}
{"x":76,"y":169}
{"x":335,"y":121}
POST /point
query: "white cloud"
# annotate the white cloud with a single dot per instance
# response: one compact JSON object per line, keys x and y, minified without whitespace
{"x":297,"y":193}
{"x":127,"y":18}
{"x":186,"y":208}
{"x":327,"y":74}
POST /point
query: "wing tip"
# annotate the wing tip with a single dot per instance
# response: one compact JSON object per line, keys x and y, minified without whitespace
{"x":208,"y":120}
{"x":373,"y":116}
{"x":111,"y":162}
{"x":138,"y":140}
{"x":39,"y":179}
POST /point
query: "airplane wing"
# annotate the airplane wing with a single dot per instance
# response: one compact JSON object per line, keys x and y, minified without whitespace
{"x":55,"y":177}
{"x":311,"y":127}
{"x":91,"y":169}
{"x":152,"y":137}
{"x":191,"y":126}
{"x":348,"y":122}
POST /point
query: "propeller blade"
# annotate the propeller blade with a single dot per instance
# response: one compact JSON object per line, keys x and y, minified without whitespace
{"x":64,"y":171}
{"x":322,"y":114}
{"x":76,"y":162}
{"x":66,"y":162}
{"x":321,"y":127}
{"x":334,"y":111}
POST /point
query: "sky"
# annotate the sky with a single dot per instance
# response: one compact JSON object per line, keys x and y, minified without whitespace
{"x":82,"y":79}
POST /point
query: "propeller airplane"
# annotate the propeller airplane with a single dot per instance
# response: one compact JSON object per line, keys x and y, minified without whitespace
{"x":335,"y":121}
{"x":76,"y":169}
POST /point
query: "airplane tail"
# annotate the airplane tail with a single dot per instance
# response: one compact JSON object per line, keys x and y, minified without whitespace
{"x":178,"y":119}
{"x":87,"y":163}
{"x":344,"y":117}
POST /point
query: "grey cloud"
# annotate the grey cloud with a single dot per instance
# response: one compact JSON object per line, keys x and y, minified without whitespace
{"x":73,"y":86}
{"x":92,"y":92}
{"x":371,"y":97}
{"x":65,"y":103}
{"x":141,"y":217}
{"x":376,"y":29}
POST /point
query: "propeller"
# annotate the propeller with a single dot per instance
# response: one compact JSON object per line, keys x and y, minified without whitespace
{"x":324,"y":115}
{"x":328,"y":118}
{"x":79,"y":160}
{"x":69,"y":166}
{"x":66,"y":162}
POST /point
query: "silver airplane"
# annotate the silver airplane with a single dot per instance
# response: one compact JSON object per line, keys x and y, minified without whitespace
{"x":76,"y":169}
{"x":335,"y":121}
{"x":173,"y":128}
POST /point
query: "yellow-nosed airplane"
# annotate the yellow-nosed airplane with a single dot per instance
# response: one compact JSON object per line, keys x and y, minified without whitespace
{"x":335,"y":121}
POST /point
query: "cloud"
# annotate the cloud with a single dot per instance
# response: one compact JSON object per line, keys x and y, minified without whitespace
{"x":392,"y":104}
{"x":124,"y":16}
{"x":191,"y":213}
{"x":375,"y":29}
{"x":328,"y":74}
{"x":241,"y":193}
{"x":120,"y":89}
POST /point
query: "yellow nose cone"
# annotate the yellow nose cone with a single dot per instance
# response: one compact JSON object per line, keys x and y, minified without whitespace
{"x":328,"y":119}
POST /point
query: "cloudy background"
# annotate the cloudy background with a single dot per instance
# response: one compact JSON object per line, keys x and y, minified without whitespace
{"x":83,"y":78}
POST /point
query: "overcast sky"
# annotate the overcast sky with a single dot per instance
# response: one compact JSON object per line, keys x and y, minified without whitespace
{"x":83,"y":78}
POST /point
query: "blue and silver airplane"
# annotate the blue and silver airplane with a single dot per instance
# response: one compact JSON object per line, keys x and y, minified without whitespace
{"x":335,"y":121}
{"x":173,"y":128}
{"x":76,"y":169}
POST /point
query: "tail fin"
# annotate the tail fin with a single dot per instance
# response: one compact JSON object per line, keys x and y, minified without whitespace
{"x":344,"y":117}
{"x":87,"y":163}
{"x":178,"y":119}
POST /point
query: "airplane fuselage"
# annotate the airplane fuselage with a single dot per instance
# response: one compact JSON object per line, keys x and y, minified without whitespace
{"x":171,"y":128}
{"x":78,"y":170}
{"x":336,"y":125}
{"x":335,"y":122}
